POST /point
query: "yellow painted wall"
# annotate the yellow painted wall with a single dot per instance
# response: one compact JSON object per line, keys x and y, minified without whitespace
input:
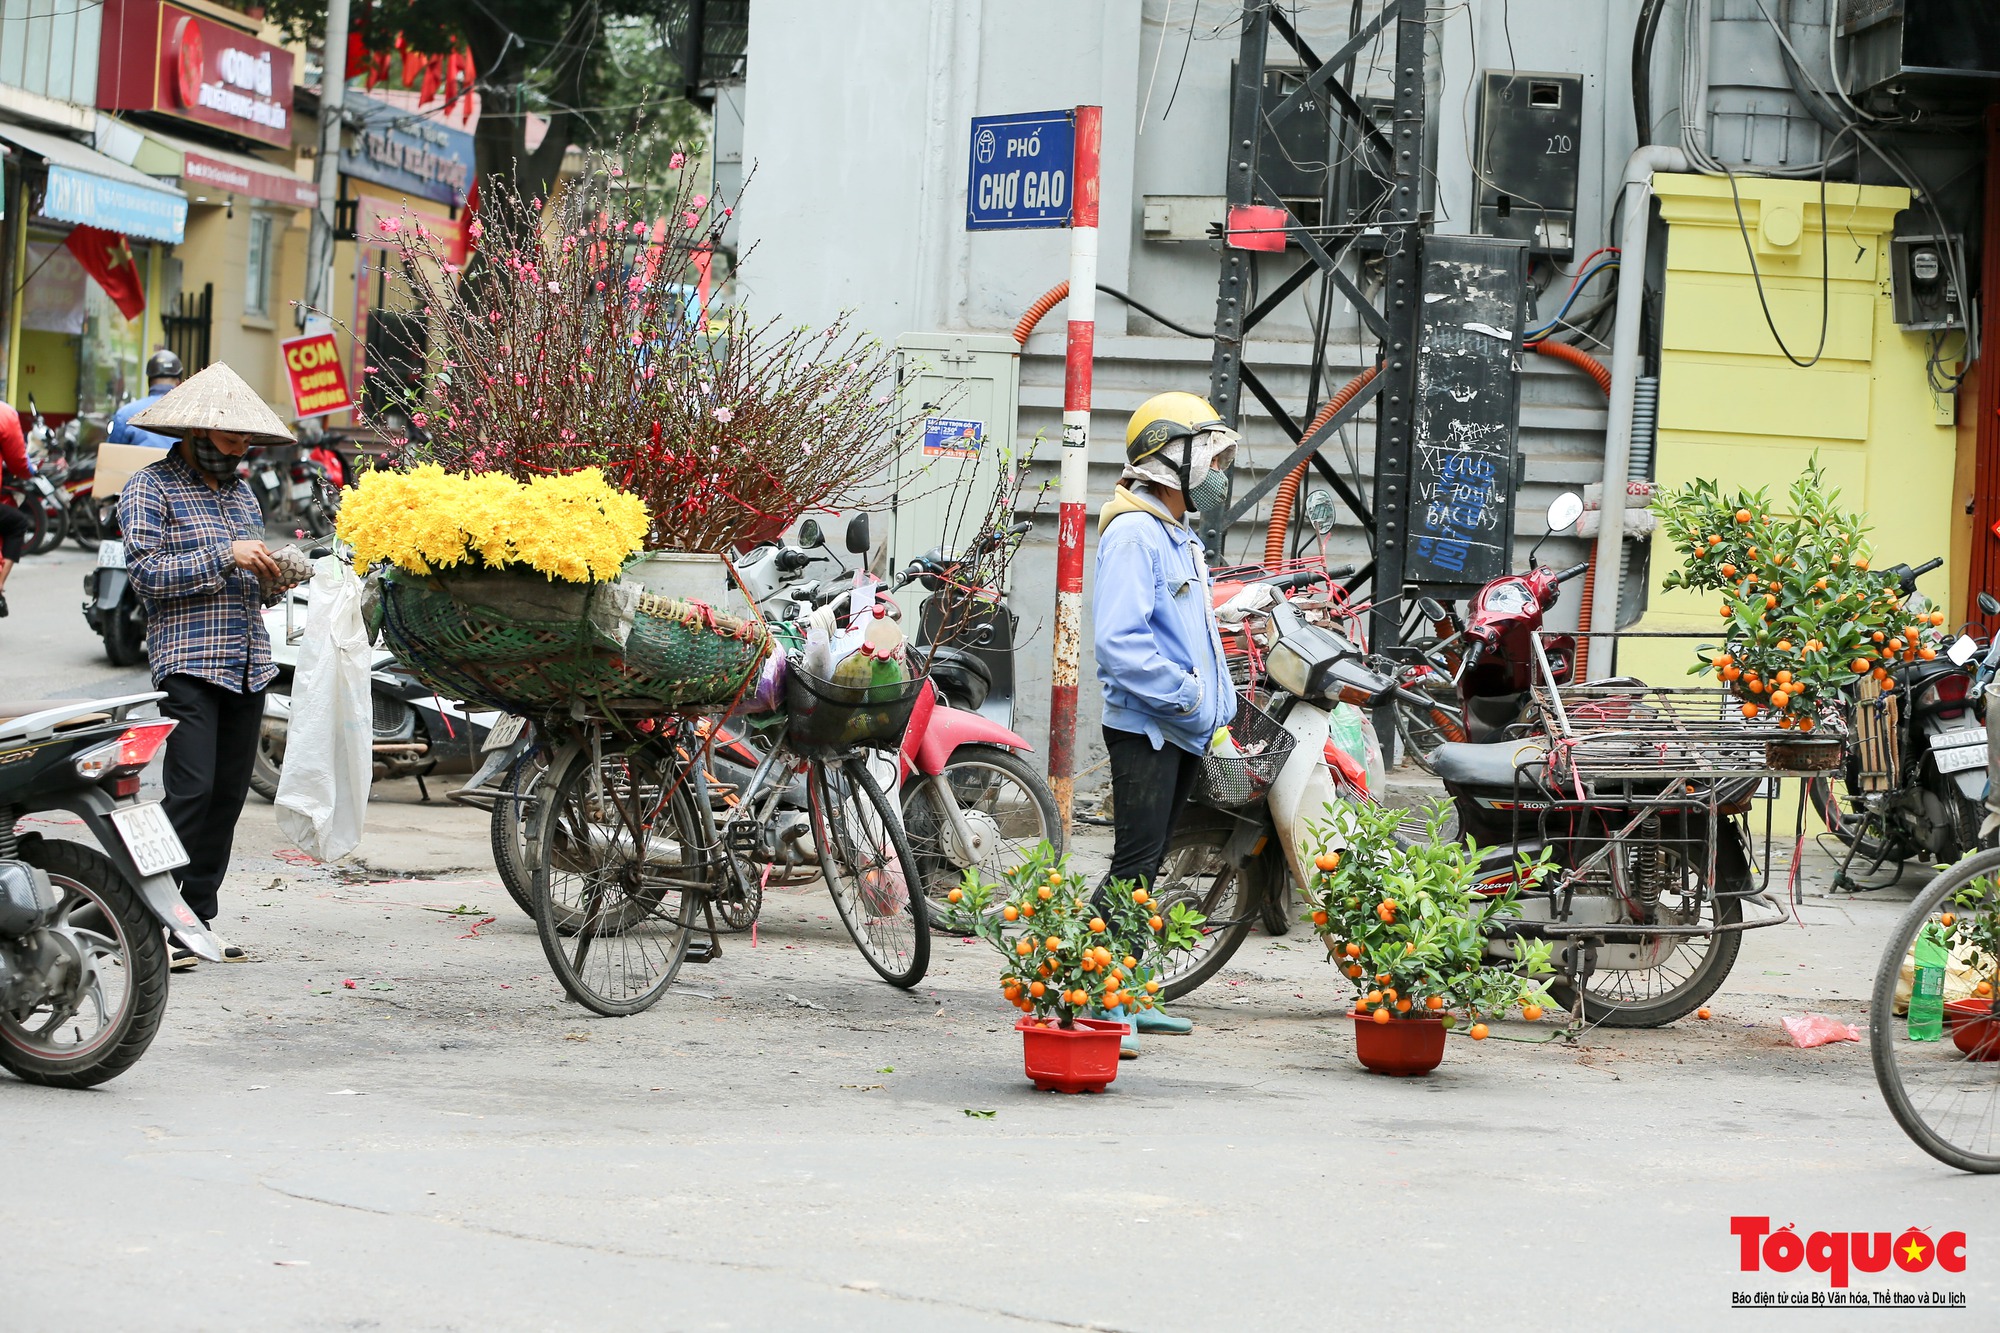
{"x":216,"y":250}
{"x":1734,"y":409}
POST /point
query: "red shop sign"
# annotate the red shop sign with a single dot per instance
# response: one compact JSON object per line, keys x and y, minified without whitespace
{"x":157,"y":56}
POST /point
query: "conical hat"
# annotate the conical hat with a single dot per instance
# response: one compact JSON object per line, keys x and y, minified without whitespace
{"x":215,"y":399}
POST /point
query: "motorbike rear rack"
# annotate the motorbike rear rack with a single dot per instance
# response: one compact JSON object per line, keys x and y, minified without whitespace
{"x":1633,"y":735}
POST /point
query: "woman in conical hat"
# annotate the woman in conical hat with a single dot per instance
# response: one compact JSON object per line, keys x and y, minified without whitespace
{"x":194,"y":546}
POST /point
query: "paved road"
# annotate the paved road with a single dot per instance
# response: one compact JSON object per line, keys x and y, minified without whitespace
{"x":784,"y":1142}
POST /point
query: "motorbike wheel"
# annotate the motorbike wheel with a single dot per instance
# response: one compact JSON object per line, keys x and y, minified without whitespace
{"x":38,"y":523}
{"x":55,"y":527}
{"x":1875,"y":847}
{"x":1007,"y":807}
{"x":125,"y":635}
{"x":1275,"y":912}
{"x":1691,"y":971}
{"x":508,"y":828}
{"x":83,"y":527}
{"x":110,"y":1020}
{"x":1196,"y":873}
{"x":268,"y":764}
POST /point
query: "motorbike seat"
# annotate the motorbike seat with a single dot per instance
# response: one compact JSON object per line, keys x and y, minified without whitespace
{"x":1491,"y":765}
{"x":962,"y":675}
{"x":12,"y":709}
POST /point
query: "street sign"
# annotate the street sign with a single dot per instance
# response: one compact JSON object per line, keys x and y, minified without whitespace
{"x":1022,"y":171}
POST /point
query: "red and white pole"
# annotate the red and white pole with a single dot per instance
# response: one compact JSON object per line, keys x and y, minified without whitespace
{"x":1082,"y":313}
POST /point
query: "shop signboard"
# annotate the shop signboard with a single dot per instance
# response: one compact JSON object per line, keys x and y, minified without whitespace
{"x":279,"y":187}
{"x":406,"y":151}
{"x":319,"y":385}
{"x":157,"y":56}
{"x":97,"y":201}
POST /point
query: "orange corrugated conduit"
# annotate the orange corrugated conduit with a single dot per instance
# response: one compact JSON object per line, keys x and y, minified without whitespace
{"x":1600,"y":372}
{"x":1288,"y":489}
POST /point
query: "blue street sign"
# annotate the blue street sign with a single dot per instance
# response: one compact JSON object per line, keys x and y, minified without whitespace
{"x":1022,"y":170}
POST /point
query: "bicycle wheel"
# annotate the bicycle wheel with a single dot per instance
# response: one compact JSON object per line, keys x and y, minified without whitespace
{"x":1006,"y":808}
{"x":869,"y":869}
{"x":620,"y":865}
{"x":508,"y":828}
{"x":1195,"y":872}
{"x":1945,"y":1095}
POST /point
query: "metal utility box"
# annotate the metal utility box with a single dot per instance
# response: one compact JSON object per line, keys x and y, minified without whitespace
{"x":1184,"y":217}
{"x":1525,"y":158}
{"x":1463,"y":474}
{"x":966,"y":387}
{"x":1942,"y":52}
{"x":1925,"y":295}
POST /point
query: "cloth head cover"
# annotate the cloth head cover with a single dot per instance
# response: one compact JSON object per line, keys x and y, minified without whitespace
{"x":1213,"y":448}
{"x":214,"y":399}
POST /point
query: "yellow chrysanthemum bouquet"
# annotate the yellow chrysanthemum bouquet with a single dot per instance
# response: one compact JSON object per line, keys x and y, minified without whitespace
{"x":576,"y":528}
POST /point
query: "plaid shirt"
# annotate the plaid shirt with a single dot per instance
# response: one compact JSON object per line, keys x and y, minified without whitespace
{"x":204,"y":615}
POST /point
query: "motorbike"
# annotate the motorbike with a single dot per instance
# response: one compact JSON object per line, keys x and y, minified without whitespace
{"x":1647,"y":881}
{"x":1916,"y":782}
{"x":83,"y":957}
{"x":416,"y":733}
{"x":111,"y":604}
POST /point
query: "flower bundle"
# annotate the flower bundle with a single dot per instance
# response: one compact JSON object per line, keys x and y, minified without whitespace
{"x":1802,"y":612}
{"x":580,"y":336}
{"x":575,"y":527}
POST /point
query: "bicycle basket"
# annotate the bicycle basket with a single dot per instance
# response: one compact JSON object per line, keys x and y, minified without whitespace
{"x":822,"y":715}
{"x":1230,"y":782}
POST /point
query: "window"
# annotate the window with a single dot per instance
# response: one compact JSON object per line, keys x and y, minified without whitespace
{"x":257,"y":269}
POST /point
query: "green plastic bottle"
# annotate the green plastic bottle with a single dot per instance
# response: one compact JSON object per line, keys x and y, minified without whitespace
{"x":1927,"y":986}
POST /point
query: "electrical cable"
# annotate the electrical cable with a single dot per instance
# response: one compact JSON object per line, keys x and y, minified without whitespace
{"x":1643,"y":32}
{"x":1576,"y":288}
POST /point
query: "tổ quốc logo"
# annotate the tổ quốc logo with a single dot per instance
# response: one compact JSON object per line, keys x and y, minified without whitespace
{"x":1841,"y":1258}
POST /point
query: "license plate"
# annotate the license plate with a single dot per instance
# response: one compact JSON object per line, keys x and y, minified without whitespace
{"x":1961,"y":759}
{"x":505,"y":732}
{"x":111,"y":555}
{"x":151,"y":839}
{"x":1951,"y":740}
{"x":43,"y":485}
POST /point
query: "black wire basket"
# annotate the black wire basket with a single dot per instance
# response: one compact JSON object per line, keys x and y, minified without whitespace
{"x":821,"y":715}
{"x":1230,"y":782}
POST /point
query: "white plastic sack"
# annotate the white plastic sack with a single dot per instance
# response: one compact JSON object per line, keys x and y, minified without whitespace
{"x":330,"y":742}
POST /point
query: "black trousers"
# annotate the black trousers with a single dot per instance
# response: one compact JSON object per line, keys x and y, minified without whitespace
{"x":1148,"y":788}
{"x":14,"y":527}
{"x":207,"y":775}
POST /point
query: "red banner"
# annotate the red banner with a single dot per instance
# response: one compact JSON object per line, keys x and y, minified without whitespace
{"x":319,"y":385}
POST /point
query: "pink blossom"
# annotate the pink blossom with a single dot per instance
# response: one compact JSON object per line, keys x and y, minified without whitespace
{"x":493,"y":316}
{"x":389,"y":226}
{"x":728,"y":213}
{"x":634,"y":283}
{"x":689,"y":220}
{"x":555,"y":287}
{"x":476,"y":229}
{"x":638,"y":229}
{"x":520,"y":381}
{"x":724,"y":415}
{"x":699,"y":201}
{"x":617,"y":171}
{"x":451,"y":268}
{"x":600,"y":284}
{"x":419,"y":420}
{"x":677,"y":161}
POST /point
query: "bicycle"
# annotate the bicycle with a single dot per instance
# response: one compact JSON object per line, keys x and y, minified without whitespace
{"x":1946,"y":1093}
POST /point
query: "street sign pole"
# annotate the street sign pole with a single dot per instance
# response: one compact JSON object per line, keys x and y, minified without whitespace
{"x":1082,"y":313}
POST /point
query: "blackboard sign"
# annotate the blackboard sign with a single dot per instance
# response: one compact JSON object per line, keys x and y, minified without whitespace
{"x":1468,"y":413}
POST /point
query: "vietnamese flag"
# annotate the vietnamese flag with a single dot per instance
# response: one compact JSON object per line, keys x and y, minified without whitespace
{"x":105,"y":257}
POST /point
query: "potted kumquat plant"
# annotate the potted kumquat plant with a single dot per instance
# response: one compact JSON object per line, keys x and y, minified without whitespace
{"x":1070,"y":957}
{"x":1971,"y":926}
{"x":1804,"y":614}
{"x":1406,"y":925}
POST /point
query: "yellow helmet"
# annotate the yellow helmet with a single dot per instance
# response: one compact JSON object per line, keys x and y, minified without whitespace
{"x":1164,"y":418}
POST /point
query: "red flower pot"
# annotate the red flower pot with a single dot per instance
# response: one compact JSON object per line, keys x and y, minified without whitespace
{"x":1975,"y":1028}
{"x":1401,"y":1047}
{"x":1079,"y":1059}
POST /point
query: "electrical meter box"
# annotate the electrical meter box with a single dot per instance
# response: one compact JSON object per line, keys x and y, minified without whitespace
{"x":1525,"y":158}
{"x":1921,"y":283}
{"x":963,"y":392}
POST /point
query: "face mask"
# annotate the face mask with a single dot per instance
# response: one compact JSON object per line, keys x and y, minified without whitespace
{"x":212,"y":460}
{"x":1208,"y":494}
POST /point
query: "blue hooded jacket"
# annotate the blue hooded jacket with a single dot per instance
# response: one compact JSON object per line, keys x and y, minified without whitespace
{"x":1159,"y":656}
{"x":124,"y":432}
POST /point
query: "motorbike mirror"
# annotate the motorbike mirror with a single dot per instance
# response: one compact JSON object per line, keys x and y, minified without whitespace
{"x":1564,"y":511}
{"x":857,"y":535}
{"x":1320,"y":511}
{"x":1430,"y":610}
{"x":809,"y":534}
{"x":1989,"y":604}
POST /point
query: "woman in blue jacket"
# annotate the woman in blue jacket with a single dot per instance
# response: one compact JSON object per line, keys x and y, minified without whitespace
{"x":1160,"y":667}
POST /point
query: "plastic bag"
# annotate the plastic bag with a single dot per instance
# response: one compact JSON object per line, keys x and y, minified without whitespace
{"x":330,"y":741}
{"x":1350,"y":730}
{"x":1807,"y":1030}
